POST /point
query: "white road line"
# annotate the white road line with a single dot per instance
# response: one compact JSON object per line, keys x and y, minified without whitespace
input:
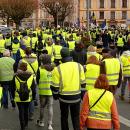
{"x":124,"y":121}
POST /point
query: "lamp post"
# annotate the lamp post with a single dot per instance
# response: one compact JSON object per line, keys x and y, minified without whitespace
{"x":57,"y":6}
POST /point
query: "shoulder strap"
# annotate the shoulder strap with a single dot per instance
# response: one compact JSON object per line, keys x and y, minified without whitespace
{"x":98,"y":100}
{"x":32,"y":69}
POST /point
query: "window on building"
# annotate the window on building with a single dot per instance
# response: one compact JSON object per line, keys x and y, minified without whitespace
{"x":101,"y":15}
{"x":112,"y":15}
{"x":101,"y":3}
{"x":124,"y":3}
{"x":88,"y":2}
{"x":124,"y":14}
{"x":112,"y":3}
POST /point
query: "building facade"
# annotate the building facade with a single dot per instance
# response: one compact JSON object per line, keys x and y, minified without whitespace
{"x":111,"y":10}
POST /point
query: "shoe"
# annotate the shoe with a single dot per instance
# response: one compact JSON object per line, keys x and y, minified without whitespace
{"x":122,"y":97}
{"x":40,"y":123}
{"x":50,"y":127}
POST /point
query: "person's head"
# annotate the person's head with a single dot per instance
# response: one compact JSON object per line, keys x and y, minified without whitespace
{"x":102,"y":82}
{"x":79,"y":46}
{"x":105,"y":52}
{"x":91,"y":48}
{"x":93,"y":60}
{"x":22,"y":66}
{"x":65,"y":52}
{"x":28,"y":51}
{"x":45,"y":59}
{"x":6,"y":53}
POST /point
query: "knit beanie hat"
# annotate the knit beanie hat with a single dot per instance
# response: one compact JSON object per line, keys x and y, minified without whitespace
{"x":65,"y":52}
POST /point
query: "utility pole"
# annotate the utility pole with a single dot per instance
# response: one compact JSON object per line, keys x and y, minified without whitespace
{"x":88,"y":14}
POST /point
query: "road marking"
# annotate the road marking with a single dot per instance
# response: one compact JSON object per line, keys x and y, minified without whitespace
{"x":124,"y":121}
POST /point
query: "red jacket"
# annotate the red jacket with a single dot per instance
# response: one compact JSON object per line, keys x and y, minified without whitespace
{"x":98,"y":124}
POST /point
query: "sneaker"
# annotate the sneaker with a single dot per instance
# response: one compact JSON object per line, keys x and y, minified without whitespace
{"x":122,"y":97}
{"x":40,"y":123}
{"x":50,"y":127}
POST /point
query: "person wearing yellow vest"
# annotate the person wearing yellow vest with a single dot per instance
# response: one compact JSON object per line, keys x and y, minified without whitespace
{"x":15,"y":47}
{"x":99,"y":110}
{"x":91,"y":50}
{"x":2,"y":45}
{"x":71,"y":43}
{"x":120,"y":43}
{"x":6,"y":77}
{"x":34,"y":41}
{"x":125,"y":60}
{"x":57,"y":56}
{"x":92,"y":72}
{"x":45,"y":93}
{"x":32,"y":66}
{"x":8,"y":41}
{"x":23,"y":75}
{"x":67,"y":80}
{"x":112,"y":68}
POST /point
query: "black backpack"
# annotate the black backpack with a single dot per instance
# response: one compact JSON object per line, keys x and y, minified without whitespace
{"x":23,"y":91}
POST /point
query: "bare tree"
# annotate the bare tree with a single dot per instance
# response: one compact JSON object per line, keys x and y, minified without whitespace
{"x":59,"y":9}
{"x":18,"y":9}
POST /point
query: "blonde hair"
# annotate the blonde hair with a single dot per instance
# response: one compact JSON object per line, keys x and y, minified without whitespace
{"x":91,"y":48}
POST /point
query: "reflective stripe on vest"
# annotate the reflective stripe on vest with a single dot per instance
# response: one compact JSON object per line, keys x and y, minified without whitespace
{"x":44,"y":82}
{"x":29,"y":83}
{"x":63,"y":90}
{"x":91,"y":74}
{"x":102,"y":110}
{"x":112,"y":66}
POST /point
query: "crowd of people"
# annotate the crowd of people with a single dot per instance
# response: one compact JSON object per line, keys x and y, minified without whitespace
{"x":66,"y":64}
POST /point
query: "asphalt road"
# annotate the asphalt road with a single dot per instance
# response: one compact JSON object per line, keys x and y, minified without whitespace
{"x":9,"y":118}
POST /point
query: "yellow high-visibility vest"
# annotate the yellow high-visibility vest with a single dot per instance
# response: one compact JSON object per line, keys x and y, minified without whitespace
{"x":2,"y":46}
{"x":91,"y":75}
{"x":126,"y":65}
{"x":1,"y":94}
{"x":102,"y":110}
{"x":71,"y":45}
{"x":44,"y":82}
{"x":112,"y":66}
{"x":57,"y":49}
{"x":29,"y":83}
{"x":120,"y":42}
{"x":15,"y":47}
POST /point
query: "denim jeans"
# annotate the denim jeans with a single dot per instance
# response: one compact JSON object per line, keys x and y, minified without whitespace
{"x":6,"y":89}
{"x":46,"y":100}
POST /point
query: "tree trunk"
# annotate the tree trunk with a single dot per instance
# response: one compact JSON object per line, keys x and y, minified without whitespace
{"x":55,"y":20}
{"x":17,"y":24}
{"x":8,"y":21}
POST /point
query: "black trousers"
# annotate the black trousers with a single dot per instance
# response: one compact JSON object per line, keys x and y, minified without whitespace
{"x":74,"y":110}
{"x":23,"y":108}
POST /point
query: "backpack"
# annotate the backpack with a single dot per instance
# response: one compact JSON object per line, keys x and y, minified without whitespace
{"x":40,"y":45}
{"x":23,"y":91}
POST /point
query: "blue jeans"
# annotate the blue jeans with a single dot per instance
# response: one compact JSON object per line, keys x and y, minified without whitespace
{"x":6,"y":89}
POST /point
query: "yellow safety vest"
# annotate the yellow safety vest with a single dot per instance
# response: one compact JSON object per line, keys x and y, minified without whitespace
{"x":29,"y":83}
{"x":71,"y":45}
{"x":27,"y":41}
{"x":102,"y":110}
{"x":1,"y":94}
{"x":2,"y":46}
{"x":8,"y":41}
{"x":112,"y":66}
{"x":15,"y":47}
{"x":126,"y":65}
{"x":57,"y":49}
{"x":68,"y":77}
{"x":22,"y":53}
{"x":91,"y":74}
{"x":44,"y":82}
{"x":34,"y":40}
{"x":120,"y":42}
{"x":99,"y":57}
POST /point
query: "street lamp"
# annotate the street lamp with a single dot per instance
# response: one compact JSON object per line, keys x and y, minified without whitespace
{"x":57,"y":6}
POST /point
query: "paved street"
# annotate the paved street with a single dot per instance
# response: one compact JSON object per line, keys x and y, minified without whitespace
{"x":9,"y":118}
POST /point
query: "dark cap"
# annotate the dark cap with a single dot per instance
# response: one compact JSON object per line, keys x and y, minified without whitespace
{"x":65,"y":52}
